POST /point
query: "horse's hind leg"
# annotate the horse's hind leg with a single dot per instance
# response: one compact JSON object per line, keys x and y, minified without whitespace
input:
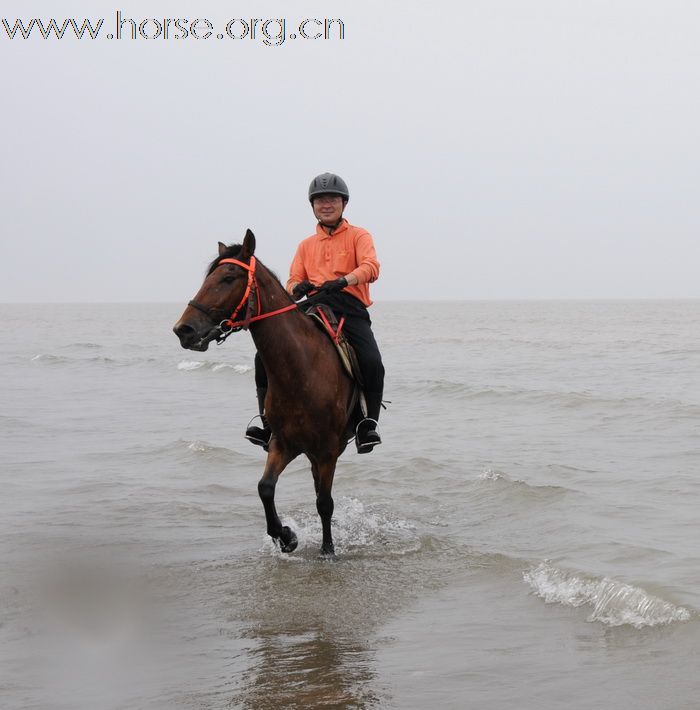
{"x":276,"y":462}
{"x":323,"y":479}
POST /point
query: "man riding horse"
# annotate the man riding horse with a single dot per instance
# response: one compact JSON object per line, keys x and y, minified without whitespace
{"x":340,"y":262}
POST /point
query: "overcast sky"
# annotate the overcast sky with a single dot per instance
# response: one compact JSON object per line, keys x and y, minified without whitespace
{"x":494,"y":149}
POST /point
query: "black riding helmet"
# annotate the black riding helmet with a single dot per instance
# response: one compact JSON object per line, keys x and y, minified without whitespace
{"x":328,"y":184}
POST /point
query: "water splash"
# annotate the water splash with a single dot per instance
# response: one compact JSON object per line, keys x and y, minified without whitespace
{"x":357,"y":531}
{"x":614,"y":603}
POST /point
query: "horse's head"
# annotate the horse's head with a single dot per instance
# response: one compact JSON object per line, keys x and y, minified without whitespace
{"x":222,"y":297}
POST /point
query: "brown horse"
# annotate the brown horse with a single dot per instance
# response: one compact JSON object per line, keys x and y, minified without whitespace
{"x":309,"y":393}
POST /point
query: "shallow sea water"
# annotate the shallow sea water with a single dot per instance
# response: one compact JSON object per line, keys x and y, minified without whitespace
{"x":525,"y":537}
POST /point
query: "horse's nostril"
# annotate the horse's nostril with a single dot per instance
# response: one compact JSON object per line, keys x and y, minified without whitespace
{"x":183,"y":331}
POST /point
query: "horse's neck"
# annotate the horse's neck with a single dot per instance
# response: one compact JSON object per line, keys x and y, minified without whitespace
{"x":271,"y":292}
{"x":276,"y":337}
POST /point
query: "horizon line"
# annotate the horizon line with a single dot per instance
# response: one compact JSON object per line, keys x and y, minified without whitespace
{"x":578,"y":299}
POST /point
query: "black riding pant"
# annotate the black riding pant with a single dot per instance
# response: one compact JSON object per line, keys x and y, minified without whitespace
{"x":358,"y":330}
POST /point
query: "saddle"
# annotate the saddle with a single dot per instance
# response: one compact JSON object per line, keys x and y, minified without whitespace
{"x":329,"y":324}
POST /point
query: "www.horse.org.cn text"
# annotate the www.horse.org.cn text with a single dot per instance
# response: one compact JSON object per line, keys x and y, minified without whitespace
{"x":272,"y":32}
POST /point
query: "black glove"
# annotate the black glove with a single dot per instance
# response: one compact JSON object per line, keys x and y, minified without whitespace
{"x":301,"y":289}
{"x":333,"y":286}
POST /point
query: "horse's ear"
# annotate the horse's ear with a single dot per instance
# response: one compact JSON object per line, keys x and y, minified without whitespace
{"x":222,"y":248}
{"x":248,"y":245}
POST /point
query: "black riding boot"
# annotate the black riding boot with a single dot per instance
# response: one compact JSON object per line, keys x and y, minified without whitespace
{"x":260,"y":436}
{"x":367,"y":436}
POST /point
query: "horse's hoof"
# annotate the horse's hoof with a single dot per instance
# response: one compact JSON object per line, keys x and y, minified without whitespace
{"x":288,"y":540}
{"x":328,"y":552}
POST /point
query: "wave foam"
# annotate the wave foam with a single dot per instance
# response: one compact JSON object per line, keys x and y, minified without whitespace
{"x":614,"y":603}
{"x":47,"y":357}
{"x":189,"y":365}
{"x":501,"y":482}
{"x":240,"y":369}
{"x":492,"y":474}
{"x":200,"y":446}
{"x":81,"y":361}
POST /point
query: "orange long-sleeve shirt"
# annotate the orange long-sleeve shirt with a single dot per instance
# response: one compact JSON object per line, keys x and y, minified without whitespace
{"x":324,"y":257}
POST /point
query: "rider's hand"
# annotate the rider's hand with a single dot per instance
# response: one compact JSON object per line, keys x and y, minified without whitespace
{"x":333,"y":286}
{"x":301,"y":289}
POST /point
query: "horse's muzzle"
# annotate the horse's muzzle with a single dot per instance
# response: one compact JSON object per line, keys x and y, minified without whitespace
{"x":190,"y":339}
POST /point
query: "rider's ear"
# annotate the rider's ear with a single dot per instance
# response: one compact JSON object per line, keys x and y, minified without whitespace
{"x":222,"y":248}
{"x":248,"y":245}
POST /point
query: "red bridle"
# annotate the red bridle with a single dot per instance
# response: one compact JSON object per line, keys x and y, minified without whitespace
{"x":252,"y":283}
{"x":230,"y":324}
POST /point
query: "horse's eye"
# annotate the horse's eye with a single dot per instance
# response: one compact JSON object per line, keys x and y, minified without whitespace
{"x":228,"y":279}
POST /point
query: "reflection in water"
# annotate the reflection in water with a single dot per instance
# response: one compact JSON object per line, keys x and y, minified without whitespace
{"x":307,"y":669}
{"x":312,"y":623}
{"x":315,"y":624}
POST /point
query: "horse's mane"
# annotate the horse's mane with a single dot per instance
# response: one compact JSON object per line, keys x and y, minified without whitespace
{"x":233,"y":251}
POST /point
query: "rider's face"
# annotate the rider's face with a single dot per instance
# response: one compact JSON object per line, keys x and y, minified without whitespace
{"x":328,"y":209}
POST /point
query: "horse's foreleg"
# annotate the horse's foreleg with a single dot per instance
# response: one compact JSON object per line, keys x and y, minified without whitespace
{"x":324,"y":503}
{"x":275,"y":464}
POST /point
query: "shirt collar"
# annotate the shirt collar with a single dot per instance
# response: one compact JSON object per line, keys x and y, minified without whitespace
{"x":321,"y":232}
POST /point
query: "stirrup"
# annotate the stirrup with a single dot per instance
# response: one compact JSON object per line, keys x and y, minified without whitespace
{"x":260,"y":436}
{"x":371,"y":436}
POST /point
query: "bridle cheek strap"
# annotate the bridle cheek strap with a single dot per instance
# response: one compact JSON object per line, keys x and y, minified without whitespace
{"x":250,"y":268}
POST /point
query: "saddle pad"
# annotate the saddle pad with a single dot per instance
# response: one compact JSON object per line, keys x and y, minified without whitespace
{"x":345,"y":350}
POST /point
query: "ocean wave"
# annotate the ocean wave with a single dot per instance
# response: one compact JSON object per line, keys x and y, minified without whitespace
{"x":445,"y":388}
{"x":491,"y":475}
{"x":185,"y":450}
{"x":86,"y":346}
{"x":210,"y":452}
{"x":681,"y":352}
{"x":48,"y":358}
{"x":189,"y":365}
{"x":614,"y":603}
{"x":614,"y":406}
{"x":52,"y":359}
{"x":453,"y":389}
{"x":415,"y":464}
{"x":201,"y":449}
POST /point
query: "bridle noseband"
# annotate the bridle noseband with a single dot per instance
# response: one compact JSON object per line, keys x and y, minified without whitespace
{"x":229,"y":325}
